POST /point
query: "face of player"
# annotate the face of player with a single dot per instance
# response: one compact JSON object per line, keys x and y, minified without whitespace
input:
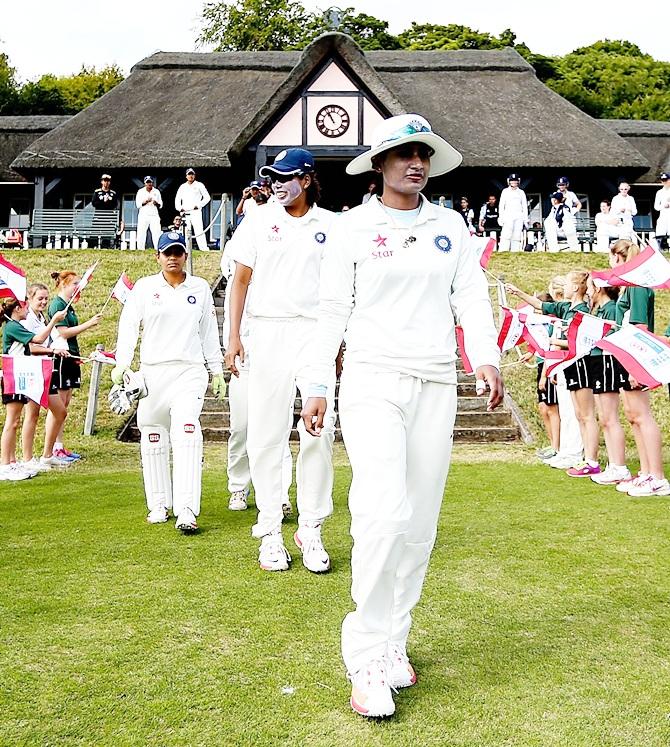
{"x":604,"y":207}
{"x":514,"y":183}
{"x":492,"y":200}
{"x":70,"y":289}
{"x":20,"y":312}
{"x":105,"y":184}
{"x":289,"y":192}
{"x":172,"y":260}
{"x":405,"y":169}
{"x":464,"y":204}
{"x":624,"y":189}
{"x":190,"y":178}
{"x":149,"y":186}
{"x":39,"y":301}
{"x":562,"y":187}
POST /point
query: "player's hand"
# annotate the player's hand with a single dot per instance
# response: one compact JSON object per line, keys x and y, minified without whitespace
{"x":59,"y":316}
{"x":219,"y":386}
{"x":494,"y":383}
{"x":235,"y":350}
{"x":117,"y":374}
{"x":94,"y":320}
{"x":312,"y":415}
{"x":512,"y":289}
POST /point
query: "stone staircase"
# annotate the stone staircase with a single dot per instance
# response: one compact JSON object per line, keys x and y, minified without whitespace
{"x":473,"y":423}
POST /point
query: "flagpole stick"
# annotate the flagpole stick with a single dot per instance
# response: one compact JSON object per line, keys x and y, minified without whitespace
{"x":109,"y":298}
{"x":78,"y":292}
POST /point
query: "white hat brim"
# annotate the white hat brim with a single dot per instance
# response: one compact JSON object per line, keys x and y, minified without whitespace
{"x":444,"y":159}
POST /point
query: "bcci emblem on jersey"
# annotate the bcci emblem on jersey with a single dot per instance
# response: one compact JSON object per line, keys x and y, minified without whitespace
{"x":320,"y":237}
{"x":443,"y":243}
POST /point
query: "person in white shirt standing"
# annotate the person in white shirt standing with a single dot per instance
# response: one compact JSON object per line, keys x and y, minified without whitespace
{"x":179,"y":337}
{"x":400,"y":273}
{"x":512,"y":215}
{"x":566,"y":207}
{"x":624,"y":208}
{"x":607,"y":228}
{"x":662,"y":204}
{"x":191,"y":197}
{"x":281,"y":248}
{"x":148,"y":201}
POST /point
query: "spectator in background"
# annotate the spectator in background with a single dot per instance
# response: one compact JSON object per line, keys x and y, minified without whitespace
{"x":662,"y":204}
{"x":191,"y":197}
{"x":177,"y":224}
{"x":105,"y":198}
{"x":513,"y":215}
{"x":570,"y":199}
{"x":560,"y":219}
{"x":248,"y":199}
{"x":607,"y":228}
{"x":372,"y":189}
{"x":467,"y":213}
{"x":488,"y":215}
{"x":624,"y":208}
{"x":148,"y":201}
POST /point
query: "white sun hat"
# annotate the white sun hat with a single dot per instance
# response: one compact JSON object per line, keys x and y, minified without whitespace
{"x":407,"y":128}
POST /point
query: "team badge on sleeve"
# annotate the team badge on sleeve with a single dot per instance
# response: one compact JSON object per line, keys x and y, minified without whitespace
{"x":320,"y":237}
{"x":443,"y":243}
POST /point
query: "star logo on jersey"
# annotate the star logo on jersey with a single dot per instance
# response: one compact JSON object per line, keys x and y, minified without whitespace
{"x":380,"y":240}
{"x":443,"y":243}
{"x":275,"y":229}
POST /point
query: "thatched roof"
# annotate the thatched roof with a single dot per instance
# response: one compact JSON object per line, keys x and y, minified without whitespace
{"x":203,"y":109}
{"x":16,"y":134}
{"x":652,"y":139}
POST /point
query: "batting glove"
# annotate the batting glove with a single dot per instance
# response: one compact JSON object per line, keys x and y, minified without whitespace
{"x":219,"y":386}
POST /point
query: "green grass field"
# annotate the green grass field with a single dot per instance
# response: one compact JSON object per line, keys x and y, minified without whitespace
{"x":544,"y":621}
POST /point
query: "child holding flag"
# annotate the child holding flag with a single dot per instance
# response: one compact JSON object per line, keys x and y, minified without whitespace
{"x":68,"y":371}
{"x":17,"y":341}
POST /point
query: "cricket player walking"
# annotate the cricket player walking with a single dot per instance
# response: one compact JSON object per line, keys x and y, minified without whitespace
{"x":399,"y":274}
{"x":512,"y":215}
{"x":191,"y":197}
{"x":281,"y":246}
{"x":148,"y":201}
{"x":179,"y":337}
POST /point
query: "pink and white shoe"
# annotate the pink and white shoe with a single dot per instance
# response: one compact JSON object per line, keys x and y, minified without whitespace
{"x":650,"y":487}
{"x":625,"y":485}
{"x":583,"y":470}
{"x":401,"y":672}
{"x":371,"y":691}
{"x":612,"y":475}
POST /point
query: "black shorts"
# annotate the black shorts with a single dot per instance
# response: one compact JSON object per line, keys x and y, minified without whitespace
{"x":549,"y":396}
{"x":7,"y":398}
{"x":66,"y":375}
{"x":577,"y":375}
{"x":607,"y":375}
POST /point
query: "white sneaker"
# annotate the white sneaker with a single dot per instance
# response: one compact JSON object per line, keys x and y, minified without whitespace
{"x":28,"y":467}
{"x":625,"y":485}
{"x":401,"y":672}
{"x":371,"y":692}
{"x":158,"y":515}
{"x":54,"y":461}
{"x":238,"y":500}
{"x":186,"y":521}
{"x":314,"y":555}
{"x":562,"y":462}
{"x":13,"y":473}
{"x":651,"y":486}
{"x":612,"y":475}
{"x":36,"y":465}
{"x":273,"y":555}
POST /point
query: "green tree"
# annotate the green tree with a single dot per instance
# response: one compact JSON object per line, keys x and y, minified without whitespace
{"x":367,"y":31}
{"x":429,"y":36}
{"x":8,"y":89}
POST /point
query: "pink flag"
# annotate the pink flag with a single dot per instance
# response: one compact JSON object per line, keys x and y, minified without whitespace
{"x":103,"y":356}
{"x":460,"y":341}
{"x":12,"y":281}
{"x":29,"y":375}
{"x":645,"y":356}
{"x":483,"y":247}
{"x":584,"y":332}
{"x":84,"y":280}
{"x":122,"y":288}
{"x":649,"y":269}
{"x":511,"y":331}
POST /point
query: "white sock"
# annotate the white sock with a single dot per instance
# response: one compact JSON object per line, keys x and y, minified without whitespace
{"x":58,"y":445}
{"x":591,"y":463}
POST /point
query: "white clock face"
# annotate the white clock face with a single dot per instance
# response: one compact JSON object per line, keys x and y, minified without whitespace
{"x":332,"y":120}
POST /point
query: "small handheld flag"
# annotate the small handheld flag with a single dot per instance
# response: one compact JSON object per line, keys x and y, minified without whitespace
{"x":12,"y":281}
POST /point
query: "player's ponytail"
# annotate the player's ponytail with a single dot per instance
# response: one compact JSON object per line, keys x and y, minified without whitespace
{"x":7,"y":309}
{"x":63,"y":278}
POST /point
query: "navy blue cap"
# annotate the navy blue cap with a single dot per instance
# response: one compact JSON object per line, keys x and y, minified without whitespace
{"x":148,"y":179}
{"x":256,"y":184}
{"x":190,"y":171}
{"x":562,"y":181}
{"x":291,"y":161}
{"x":664,"y":176}
{"x":170,"y":239}
{"x":513,"y":177}
{"x":557,"y":196}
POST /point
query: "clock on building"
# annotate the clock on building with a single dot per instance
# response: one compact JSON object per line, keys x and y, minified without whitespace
{"x":332,"y":120}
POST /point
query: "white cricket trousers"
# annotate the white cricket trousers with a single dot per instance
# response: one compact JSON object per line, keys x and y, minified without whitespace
{"x":238,"y":472}
{"x":570,"y":439}
{"x":151,"y":222}
{"x":569,"y":228}
{"x":398,"y":431}
{"x":194,"y":217}
{"x":170,"y":416}
{"x":280,"y":355}
{"x":510,"y":235}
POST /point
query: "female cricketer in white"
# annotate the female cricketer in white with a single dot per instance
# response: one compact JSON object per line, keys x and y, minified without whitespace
{"x":400,"y":272}
{"x":179,"y":336}
{"x":281,"y":245}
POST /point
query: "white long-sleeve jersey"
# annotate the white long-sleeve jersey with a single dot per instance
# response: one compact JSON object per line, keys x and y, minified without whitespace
{"x":570,"y":200}
{"x":191,"y":196}
{"x":399,"y":300}
{"x":662,"y":199}
{"x":178,"y":324}
{"x":285,"y":255}
{"x":150,"y":209}
{"x":624,"y":207}
{"x":513,"y":205}
{"x":228,"y":272}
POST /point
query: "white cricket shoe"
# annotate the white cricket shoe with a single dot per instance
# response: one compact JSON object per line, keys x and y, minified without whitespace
{"x":650,"y":487}
{"x":314,"y":555}
{"x":28,"y":467}
{"x":612,"y":475}
{"x":186,"y":522}
{"x":625,"y":485}
{"x":238,"y":500}
{"x":401,"y":672}
{"x":36,"y":465}
{"x":157,"y":515}
{"x":371,"y":691}
{"x":562,"y":462}
{"x":54,"y":461}
{"x":273,"y":555}
{"x":13,"y":473}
